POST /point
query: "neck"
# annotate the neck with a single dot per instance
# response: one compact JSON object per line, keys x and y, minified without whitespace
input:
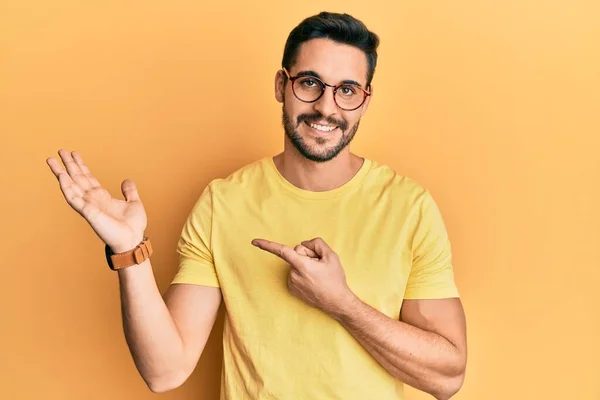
{"x":315,"y":176}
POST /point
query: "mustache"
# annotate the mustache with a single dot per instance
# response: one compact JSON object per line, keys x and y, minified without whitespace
{"x":319,"y":117}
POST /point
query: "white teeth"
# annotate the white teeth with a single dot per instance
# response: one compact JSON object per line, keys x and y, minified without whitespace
{"x":323,"y":128}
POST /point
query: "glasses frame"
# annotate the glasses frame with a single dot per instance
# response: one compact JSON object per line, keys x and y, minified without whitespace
{"x":324,"y":86}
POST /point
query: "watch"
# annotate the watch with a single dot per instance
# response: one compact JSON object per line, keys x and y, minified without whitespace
{"x":135,"y":256}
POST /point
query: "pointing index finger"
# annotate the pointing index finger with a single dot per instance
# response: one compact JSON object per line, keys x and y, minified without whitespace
{"x":282,"y":251}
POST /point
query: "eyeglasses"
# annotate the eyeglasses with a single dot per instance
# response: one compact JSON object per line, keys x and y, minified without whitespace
{"x":308,"y":88}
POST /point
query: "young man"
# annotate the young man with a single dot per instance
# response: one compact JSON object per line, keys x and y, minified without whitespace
{"x":335,"y":271}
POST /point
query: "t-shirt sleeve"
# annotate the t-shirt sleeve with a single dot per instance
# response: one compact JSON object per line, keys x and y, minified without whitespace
{"x":196,"y":262}
{"x":432,"y":275}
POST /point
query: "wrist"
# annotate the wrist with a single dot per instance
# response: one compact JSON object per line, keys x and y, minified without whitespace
{"x":126,"y":246}
{"x":344,"y":306}
{"x":121,"y":256}
{"x":134,"y":271}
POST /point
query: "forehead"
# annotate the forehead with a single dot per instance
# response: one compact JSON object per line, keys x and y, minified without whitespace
{"x":334,"y":62}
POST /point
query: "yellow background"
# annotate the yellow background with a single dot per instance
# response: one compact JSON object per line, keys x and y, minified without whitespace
{"x":492,"y":105}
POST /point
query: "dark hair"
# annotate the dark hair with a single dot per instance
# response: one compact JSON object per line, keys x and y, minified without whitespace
{"x":341,"y":28}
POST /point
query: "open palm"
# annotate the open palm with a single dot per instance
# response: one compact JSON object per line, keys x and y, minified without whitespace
{"x":119,"y":223}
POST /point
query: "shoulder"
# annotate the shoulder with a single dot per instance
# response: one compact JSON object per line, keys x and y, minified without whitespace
{"x":387,"y":181}
{"x":232,"y":187}
{"x":240,"y":180}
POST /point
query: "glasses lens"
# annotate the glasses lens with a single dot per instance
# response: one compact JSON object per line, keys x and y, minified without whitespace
{"x":349,"y":97}
{"x":308,"y":88}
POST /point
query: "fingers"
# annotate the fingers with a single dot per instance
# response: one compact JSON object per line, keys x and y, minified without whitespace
{"x":129,"y":190}
{"x":72,"y":192}
{"x":74,"y":179}
{"x":56,"y":167}
{"x":305,"y":251}
{"x":85,"y":170}
{"x":280,"y":250}
{"x":69,"y":188}
{"x":70,"y":164}
{"x":318,"y":246}
{"x":74,"y":170}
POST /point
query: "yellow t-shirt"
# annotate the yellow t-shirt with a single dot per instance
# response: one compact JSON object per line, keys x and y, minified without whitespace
{"x":392,"y":243}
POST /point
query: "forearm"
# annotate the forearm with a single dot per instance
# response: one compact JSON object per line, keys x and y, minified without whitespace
{"x":422,"y":359}
{"x":150,"y":331}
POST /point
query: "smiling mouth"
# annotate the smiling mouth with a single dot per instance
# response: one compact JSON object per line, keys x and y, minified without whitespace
{"x":321,"y":128}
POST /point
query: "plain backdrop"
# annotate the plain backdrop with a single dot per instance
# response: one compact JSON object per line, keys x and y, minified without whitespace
{"x":492,"y":105}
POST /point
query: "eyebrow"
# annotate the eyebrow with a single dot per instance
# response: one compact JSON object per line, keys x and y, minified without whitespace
{"x":316,"y":75}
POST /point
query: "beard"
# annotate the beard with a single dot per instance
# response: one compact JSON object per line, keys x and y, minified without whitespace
{"x":318,"y":152}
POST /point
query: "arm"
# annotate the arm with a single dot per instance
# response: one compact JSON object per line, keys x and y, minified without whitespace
{"x":426,"y":349}
{"x":166,"y":337}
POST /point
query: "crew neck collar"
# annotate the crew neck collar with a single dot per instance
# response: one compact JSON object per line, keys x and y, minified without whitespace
{"x":308,"y":194}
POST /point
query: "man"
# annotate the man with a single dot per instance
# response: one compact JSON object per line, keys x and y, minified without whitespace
{"x":335,"y":271}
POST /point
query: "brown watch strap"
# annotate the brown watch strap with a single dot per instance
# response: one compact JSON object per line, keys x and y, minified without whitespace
{"x":137,"y":255}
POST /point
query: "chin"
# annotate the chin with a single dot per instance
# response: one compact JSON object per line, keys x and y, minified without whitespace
{"x":316,"y":153}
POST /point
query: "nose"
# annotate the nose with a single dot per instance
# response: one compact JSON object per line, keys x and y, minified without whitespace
{"x":326,"y":104}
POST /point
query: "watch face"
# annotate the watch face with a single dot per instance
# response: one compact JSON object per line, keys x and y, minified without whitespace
{"x":108,"y":252}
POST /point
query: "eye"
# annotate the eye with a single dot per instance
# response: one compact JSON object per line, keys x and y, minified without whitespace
{"x":309,"y":82}
{"x":348,"y":90}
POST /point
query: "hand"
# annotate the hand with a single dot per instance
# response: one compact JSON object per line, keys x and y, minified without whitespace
{"x":119,"y":223}
{"x":316,"y":274}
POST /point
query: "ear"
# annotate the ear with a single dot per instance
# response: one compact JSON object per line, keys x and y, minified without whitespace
{"x":364,"y":107}
{"x":279,"y":86}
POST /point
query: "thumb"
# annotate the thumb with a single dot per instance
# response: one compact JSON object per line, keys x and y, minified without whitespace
{"x":318,"y":246}
{"x":130,"y":190}
{"x":305,"y":251}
